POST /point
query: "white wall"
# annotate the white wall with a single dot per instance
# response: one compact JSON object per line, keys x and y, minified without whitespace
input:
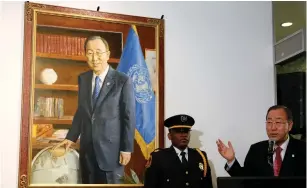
{"x":11,"y":54}
{"x":218,"y":68}
{"x":1,"y":82}
{"x":1,"y":96}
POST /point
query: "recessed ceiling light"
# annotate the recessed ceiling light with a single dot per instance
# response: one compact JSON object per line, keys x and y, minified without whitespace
{"x":286,"y":24}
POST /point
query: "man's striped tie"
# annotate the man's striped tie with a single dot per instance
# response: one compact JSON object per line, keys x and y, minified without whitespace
{"x":96,"y":89}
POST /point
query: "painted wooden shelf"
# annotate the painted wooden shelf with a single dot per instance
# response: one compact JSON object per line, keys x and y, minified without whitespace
{"x":69,"y":57}
{"x":64,"y":87}
{"x":66,"y":120}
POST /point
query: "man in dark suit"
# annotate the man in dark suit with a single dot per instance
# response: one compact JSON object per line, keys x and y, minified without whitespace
{"x":105,"y":118}
{"x":281,"y":155}
{"x":178,"y":166}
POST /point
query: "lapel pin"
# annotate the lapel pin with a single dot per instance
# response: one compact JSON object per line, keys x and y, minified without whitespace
{"x":293,"y":155}
{"x":108,"y":83}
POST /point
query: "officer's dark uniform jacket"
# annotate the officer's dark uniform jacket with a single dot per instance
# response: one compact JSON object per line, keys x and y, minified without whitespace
{"x":165,"y":170}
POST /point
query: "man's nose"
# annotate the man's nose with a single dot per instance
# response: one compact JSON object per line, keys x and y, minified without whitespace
{"x":274,"y":126}
{"x":95,"y":57}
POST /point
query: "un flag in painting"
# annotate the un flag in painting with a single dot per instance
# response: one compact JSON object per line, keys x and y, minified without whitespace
{"x":133,"y":64}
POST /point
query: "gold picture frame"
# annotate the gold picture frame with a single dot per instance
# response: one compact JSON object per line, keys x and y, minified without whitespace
{"x":53,"y":41}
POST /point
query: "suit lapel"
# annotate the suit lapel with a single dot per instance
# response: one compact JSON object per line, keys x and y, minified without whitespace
{"x":88,"y":88}
{"x":195,"y":161}
{"x":175,"y":157}
{"x":286,"y":167}
{"x":191,"y":158}
{"x":106,"y":87}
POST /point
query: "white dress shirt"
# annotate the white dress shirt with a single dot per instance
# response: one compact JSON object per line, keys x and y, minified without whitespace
{"x":178,"y":151}
{"x":102,"y":77}
{"x":283,"y":152}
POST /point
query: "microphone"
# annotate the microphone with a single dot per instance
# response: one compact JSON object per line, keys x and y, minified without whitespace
{"x":271,"y":152}
{"x":271,"y":146}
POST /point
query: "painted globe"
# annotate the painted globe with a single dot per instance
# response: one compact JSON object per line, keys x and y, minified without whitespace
{"x":49,"y":167}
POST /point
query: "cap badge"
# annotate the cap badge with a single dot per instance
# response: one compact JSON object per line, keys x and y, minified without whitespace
{"x":184,"y":118}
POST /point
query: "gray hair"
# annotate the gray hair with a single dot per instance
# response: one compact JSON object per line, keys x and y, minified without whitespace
{"x":94,"y":38}
{"x":287,"y":111}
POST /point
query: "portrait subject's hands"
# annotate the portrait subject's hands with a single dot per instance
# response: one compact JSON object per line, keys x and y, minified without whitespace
{"x":56,"y":151}
{"x":226,"y":152}
{"x":124,"y":158}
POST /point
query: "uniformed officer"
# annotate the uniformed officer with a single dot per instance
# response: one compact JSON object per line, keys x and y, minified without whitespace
{"x":178,"y":166}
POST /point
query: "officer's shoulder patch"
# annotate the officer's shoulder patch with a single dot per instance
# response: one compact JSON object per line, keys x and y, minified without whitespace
{"x":148,"y":163}
{"x":156,"y":150}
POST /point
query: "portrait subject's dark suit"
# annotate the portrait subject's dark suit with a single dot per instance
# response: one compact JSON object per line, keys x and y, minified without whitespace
{"x":256,"y":162}
{"x":105,"y":128}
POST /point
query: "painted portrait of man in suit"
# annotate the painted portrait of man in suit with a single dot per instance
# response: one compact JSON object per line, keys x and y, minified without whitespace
{"x":105,"y":118}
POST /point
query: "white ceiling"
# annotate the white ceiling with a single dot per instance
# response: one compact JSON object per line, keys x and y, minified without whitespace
{"x":288,"y":11}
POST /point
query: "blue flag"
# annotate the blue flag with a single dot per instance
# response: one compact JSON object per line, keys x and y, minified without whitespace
{"x":133,"y":64}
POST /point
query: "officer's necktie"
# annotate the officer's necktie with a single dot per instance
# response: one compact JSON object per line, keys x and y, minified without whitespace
{"x":184,"y":160}
{"x":278,"y":161}
{"x":96,"y":89}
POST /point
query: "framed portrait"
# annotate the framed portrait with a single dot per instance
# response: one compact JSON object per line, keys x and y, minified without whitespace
{"x":55,"y":55}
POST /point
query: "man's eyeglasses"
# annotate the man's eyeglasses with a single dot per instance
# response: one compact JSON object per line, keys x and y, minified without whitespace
{"x":98,"y":54}
{"x":270,"y":123}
